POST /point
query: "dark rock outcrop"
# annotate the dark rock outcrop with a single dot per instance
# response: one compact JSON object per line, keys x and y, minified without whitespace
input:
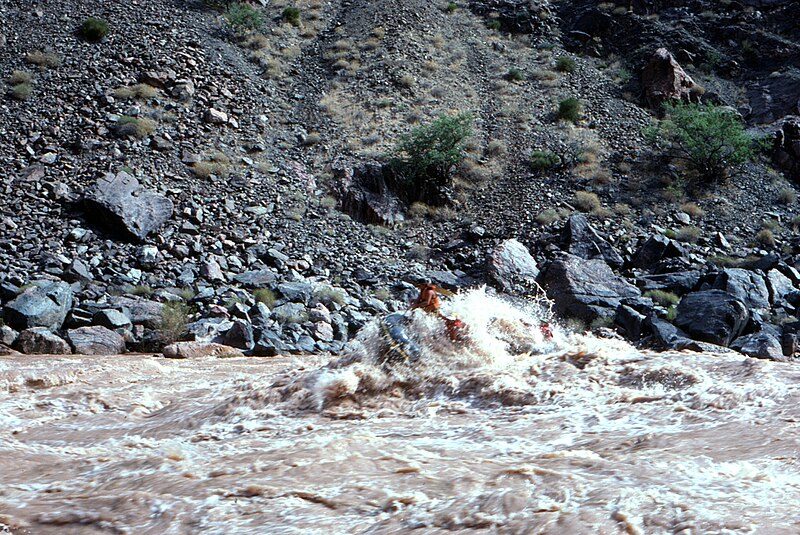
{"x":762,"y":345}
{"x":747,"y":286}
{"x":40,"y":341}
{"x":584,"y":289}
{"x":663,"y":79}
{"x":787,"y":147}
{"x":580,"y":239}
{"x":125,"y":207}
{"x":44,"y":305}
{"x":654,"y":250}
{"x":712,"y":316}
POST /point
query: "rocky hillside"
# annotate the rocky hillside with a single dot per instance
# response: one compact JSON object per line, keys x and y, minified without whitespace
{"x":198,"y":174}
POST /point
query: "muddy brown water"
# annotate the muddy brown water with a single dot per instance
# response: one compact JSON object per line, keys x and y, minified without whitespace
{"x":586,"y":437}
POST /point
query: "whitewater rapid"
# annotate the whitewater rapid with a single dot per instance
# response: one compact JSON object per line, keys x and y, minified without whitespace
{"x":510,"y":433}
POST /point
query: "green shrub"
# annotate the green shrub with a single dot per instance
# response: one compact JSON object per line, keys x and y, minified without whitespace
{"x":570,"y":109}
{"x":688,"y":234}
{"x":711,"y":139}
{"x":586,"y":201}
{"x":427,"y":155}
{"x":291,"y":15}
{"x":514,"y":75}
{"x":565,"y":64}
{"x":93,"y":29}
{"x":43,"y":59}
{"x":244,"y":17}
{"x":327,"y":295}
{"x":174,"y":317}
{"x":20,"y":77}
{"x":265,"y":295}
{"x":141,"y":290}
{"x":494,"y":24}
{"x":543,"y":160}
{"x":137,"y":91}
{"x":665,"y":299}
{"x":765,"y":238}
{"x":22,"y":91}
{"x":451,"y":7}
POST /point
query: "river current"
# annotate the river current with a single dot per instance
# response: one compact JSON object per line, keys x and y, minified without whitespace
{"x":506,"y":433}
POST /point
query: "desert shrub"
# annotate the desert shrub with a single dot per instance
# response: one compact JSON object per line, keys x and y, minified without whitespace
{"x":215,"y":163}
{"x":426,"y":156}
{"x":141,"y":290}
{"x":711,"y":139}
{"x":692,"y":210}
{"x":22,"y":91}
{"x":665,"y":299}
{"x":93,"y":29}
{"x":570,"y":109}
{"x":547,"y":217}
{"x":20,"y":77}
{"x":142,"y":91}
{"x":138,"y":127}
{"x":787,"y":196}
{"x":514,"y":75}
{"x":565,"y":64}
{"x":451,"y":7}
{"x":291,"y":14}
{"x":543,"y":160}
{"x":43,"y":59}
{"x":586,"y":201}
{"x":244,"y":17}
{"x":329,"y":296}
{"x":765,"y":238}
{"x":688,"y":234}
{"x":266,"y":296}
{"x":494,"y":24}
{"x":174,"y":317}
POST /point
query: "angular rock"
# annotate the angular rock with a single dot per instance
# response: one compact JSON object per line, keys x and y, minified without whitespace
{"x":77,"y":271}
{"x":191,"y":350}
{"x":630,"y":321}
{"x":40,"y":341}
{"x":679,"y":282}
{"x":668,"y":336}
{"x":654,"y":250}
{"x":208,"y":329}
{"x":779,"y":286}
{"x":269,"y":344}
{"x":787,"y":146}
{"x":8,"y":335}
{"x":580,"y":239}
{"x":239,"y":336}
{"x":663,"y":79}
{"x":256,"y":279}
{"x":45,"y":305}
{"x":762,"y":345}
{"x":96,"y":340}
{"x":712,"y":316}
{"x":140,"y":311}
{"x":214,"y":116}
{"x":584,"y":289}
{"x":112,"y":319}
{"x":747,"y":286}
{"x":124,"y":206}
{"x":511,"y":264}
{"x":296,"y":292}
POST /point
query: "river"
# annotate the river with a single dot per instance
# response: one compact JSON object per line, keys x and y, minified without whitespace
{"x":509,"y":433}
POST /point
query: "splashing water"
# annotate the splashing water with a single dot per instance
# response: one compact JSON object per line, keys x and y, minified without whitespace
{"x":508,"y":432}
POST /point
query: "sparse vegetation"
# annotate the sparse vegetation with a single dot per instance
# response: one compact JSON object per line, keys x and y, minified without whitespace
{"x":426,"y":156}
{"x":710,"y":139}
{"x":43,"y":59}
{"x":138,"y":127}
{"x":514,"y":75}
{"x":570,"y":109}
{"x":765,"y":238}
{"x":20,"y":77}
{"x":291,"y":14}
{"x":93,"y":29}
{"x":136,"y":91}
{"x":787,"y":195}
{"x":665,"y":299}
{"x":244,"y":17}
{"x":21,"y":91}
{"x":548,"y":217}
{"x":565,"y":64}
{"x":543,"y":160}
{"x":141,"y":290}
{"x":688,"y":234}
{"x":328,"y":296}
{"x":586,"y":201}
{"x":451,"y":7}
{"x":216,"y":163}
{"x":692,"y":210}
{"x":174,"y":317}
{"x":265,"y":296}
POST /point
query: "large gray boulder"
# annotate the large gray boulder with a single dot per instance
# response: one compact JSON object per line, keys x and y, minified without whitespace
{"x":654,"y":250}
{"x":712,"y":316}
{"x":40,"y":341}
{"x":511,"y":264}
{"x":580,"y":239}
{"x":584,"y":289}
{"x":125,"y":207}
{"x":747,"y":286}
{"x":762,"y":345}
{"x":140,"y":311}
{"x":43,"y":305}
{"x":96,"y":340}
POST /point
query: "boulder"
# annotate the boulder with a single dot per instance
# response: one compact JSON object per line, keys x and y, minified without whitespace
{"x":191,"y":350}
{"x":366,"y":192}
{"x":779,"y":286}
{"x":8,"y":335}
{"x":240,"y":335}
{"x":663,"y":79}
{"x":654,"y":250}
{"x":296,"y":292}
{"x":256,"y":279}
{"x":40,"y":341}
{"x":584,"y":289}
{"x":96,"y":340}
{"x":712,"y":316}
{"x":762,"y":345}
{"x":580,"y":239}
{"x":679,"y":282}
{"x":125,"y":207}
{"x":630,"y":322}
{"x":43,"y":305}
{"x":511,"y":264}
{"x":668,"y":336}
{"x":269,"y":344}
{"x":787,"y":147}
{"x":140,"y":311}
{"x":773,"y":97}
{"x":747,"y":286}
{"x":209,"y":329}
{"x":112,"y":319}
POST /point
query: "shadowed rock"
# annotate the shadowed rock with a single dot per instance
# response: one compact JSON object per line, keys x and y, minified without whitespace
{"x":712,"y":316}
{"x":45,"y":305}
{"x":96,"y":340}
{"x":40,"y":341}
{"x":125,"y":207}
{"x":663,"y":79}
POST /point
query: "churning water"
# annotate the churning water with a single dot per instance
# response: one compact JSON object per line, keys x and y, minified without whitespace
{"x":507,"y":433}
